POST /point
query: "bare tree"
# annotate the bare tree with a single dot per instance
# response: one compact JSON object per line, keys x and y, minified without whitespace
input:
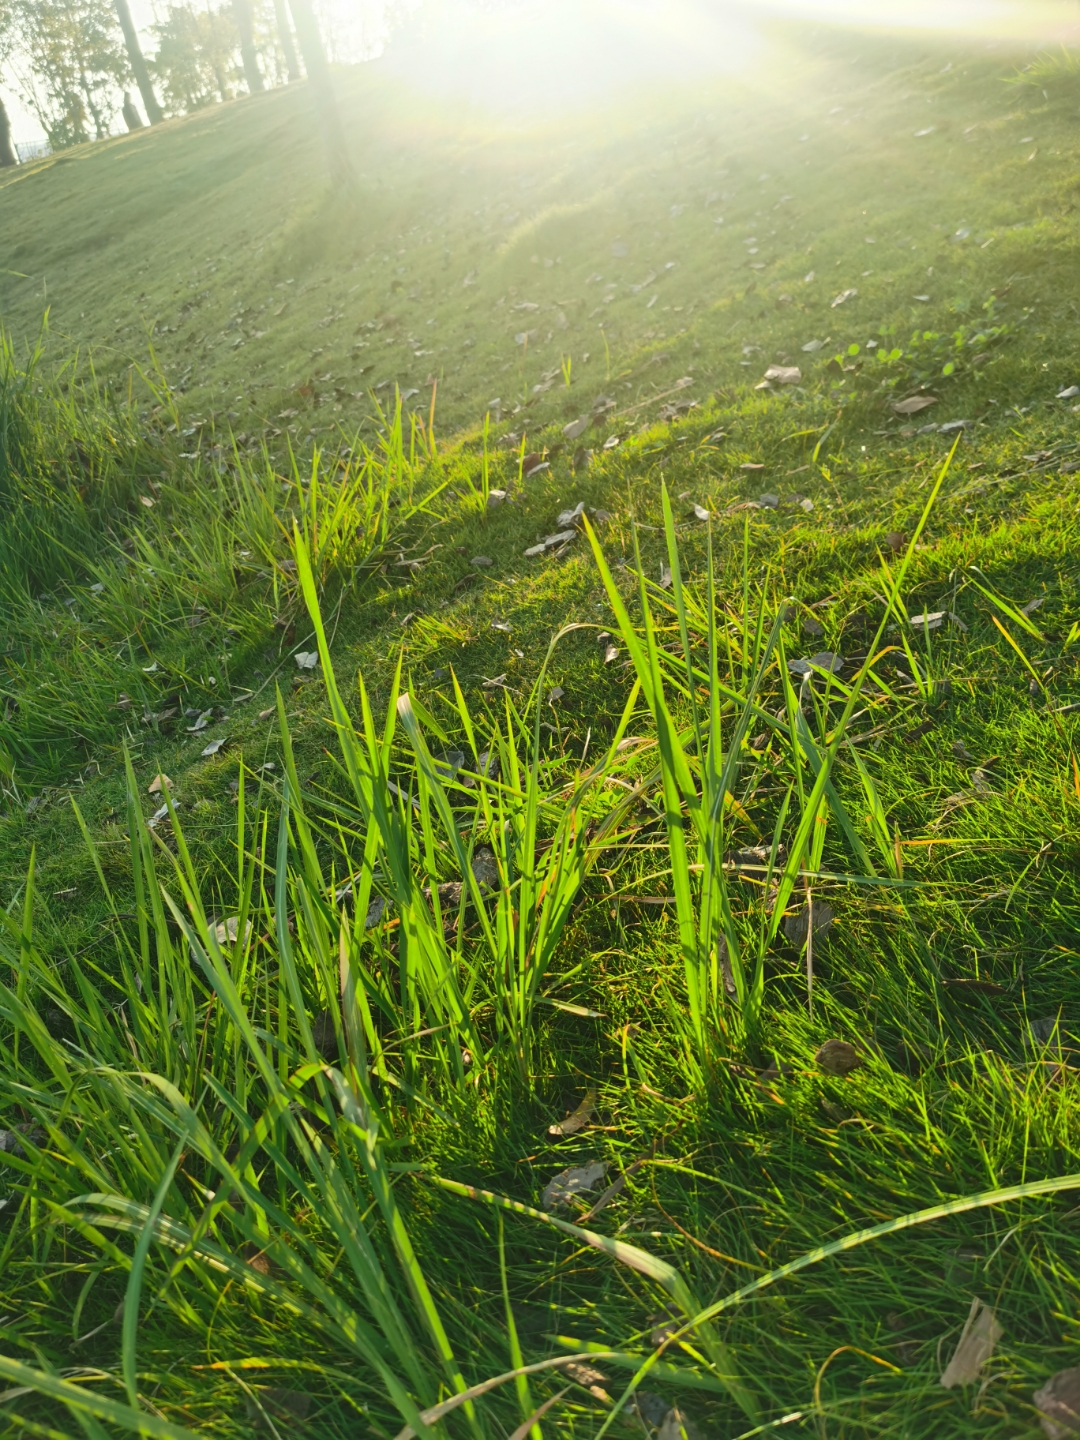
{"x":245,"y":24}
{"x":138,"y":63}
{"x":284,"y":29}
{"x":321,"y":86}
{"x":7,"y":150}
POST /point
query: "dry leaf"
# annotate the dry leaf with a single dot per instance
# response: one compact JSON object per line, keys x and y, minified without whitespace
{"x":611,"y":653}
{"x":784,"y":374}
{"x":573,"y":1181}
{"x":578,"y":1120}
{"x":215,"y":746}
{"x":495,"y":497}
{"x":1058,"y":1404}
{"x":1070,"y":393}
{"x":700,"y":513}
{"x":158,"y":784}
{"x":795,"y":924}
{"x":837,"y":1057}
{"x":485,"y":867}
{"x":1029,"y":609}
{"x":665,"y":576}
{"x":555,"y":693}
{"x":935,"y":619}
{"x":768,"y":502}
{"x":843,"y":297}
{"x":812,"y":346}
{"x":229,"y":929}
{"x":676,"y":1426}
{"x":914,"y":404}
{"x":980,"y":1335}
{"x":265,"y":714}
{"x":201,"y":723}
{"x":811,"y":626}
{"x":306,"y":659}
{"x":577,"y":428}
{"x":481,"y":561}
{"x":896,"y":540}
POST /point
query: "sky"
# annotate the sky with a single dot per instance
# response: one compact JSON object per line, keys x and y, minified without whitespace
{"x":530,"y":55}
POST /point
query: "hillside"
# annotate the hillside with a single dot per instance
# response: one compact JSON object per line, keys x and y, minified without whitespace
{"x":645,"y":810}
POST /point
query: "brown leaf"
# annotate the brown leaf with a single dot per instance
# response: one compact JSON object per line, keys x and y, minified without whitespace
{"x":837,"y":1057}
{"x":577,"y":428}
{"x":578,"y":1119}
{"x":977,"y":1341}
{"x":896,"y":540}
{"x":158,"y":784}
{"x":811,"y":626}
{"x":1058,"y":1404}
{"x":914,"y":404}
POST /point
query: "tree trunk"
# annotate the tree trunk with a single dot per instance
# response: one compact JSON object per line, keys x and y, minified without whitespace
{"x":245,"y":23}
{"x":292,"y":63}
{"x":321,"y":87}
{"x":7,"y":150}
{"x":154,"y":112}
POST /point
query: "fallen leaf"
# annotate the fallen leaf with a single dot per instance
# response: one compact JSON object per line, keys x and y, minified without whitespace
{"x":158,"y":784}
{"x":1032,"y":605}
{"x":935,"y":619}
{"x":837,"y":1057}
{"x":201,"y":723}
{"x":145,"y":500}
{"x":572,"y":1181}
{"x":1058,"y":1404}
{"x":215,"y":746}
{"x":752,"y":465}
{"x":784,"y":374}
{"x":555,"y":693}
{"x":914,"y":404}
{"x":665,"y":576}
{"x":676,"y":1426}
{"x":589,"y":1377}
{"x":961,"y":752}
{"x":229,"y":929}
{"x":567,"y":518}
{"x":481,"y":561}
{"x":611,"y":653}
{"x":795,"y":925}
{"x":812,"y":346}
{"x":700,"y":513}
{"x":977,"y":1341}
{"x":975,"y":987}
{"x":811,"y":626}
{"x":306,"y":659}
{"x":577,"y":428}
{"x":265,"y":714}
{"x":485,"y":867}
{"x":578,"y":1119}
{"x":896,"y":540}
{"x":1068,"y":394}
{"x":923,"y":299}
{"x":843,"y":297}
{"x":768,"y":502}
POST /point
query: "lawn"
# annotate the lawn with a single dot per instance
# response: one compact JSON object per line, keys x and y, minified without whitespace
{"x":518,"y":824}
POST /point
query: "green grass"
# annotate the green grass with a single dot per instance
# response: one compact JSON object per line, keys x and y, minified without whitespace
{"x":308,"y":1153}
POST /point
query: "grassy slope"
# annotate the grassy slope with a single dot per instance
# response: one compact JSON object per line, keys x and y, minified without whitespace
{"x":958,"y":1099}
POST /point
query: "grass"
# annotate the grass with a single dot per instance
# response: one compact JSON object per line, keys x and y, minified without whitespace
{"x":294,"y":1046}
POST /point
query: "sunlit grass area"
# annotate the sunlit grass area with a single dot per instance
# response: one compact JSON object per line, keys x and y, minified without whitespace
{"x":494,"y":874}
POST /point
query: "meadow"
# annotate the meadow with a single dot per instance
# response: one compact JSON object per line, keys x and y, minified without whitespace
{"x":540,"y":799}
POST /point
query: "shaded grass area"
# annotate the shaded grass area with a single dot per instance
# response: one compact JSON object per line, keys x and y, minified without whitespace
{"x":375,"y":945}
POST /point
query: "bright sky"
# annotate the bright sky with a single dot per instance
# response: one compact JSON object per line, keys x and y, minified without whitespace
{"x":524,"y":55}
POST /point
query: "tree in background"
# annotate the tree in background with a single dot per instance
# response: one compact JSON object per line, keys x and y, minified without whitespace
{"x":7,"y":150}
{"x":138,"y":63}
{"x":245,"y":25}
{"x":77,"y":65}
{"x":285,"y":39}
{"x":196,"y":60}
{"x":321,"y":86}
